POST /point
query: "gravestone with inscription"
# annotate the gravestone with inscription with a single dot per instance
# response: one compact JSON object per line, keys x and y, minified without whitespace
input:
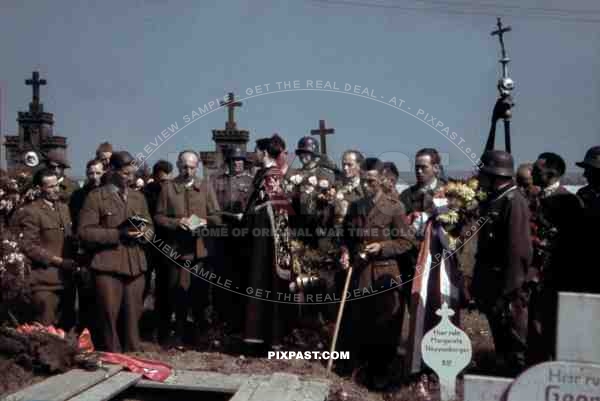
{"x":447,"y":350}
{"x":576,"y":374}
{"x":557,"y":381}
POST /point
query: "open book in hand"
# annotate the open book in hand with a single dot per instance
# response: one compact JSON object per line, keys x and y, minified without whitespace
{"x":196,"y":222}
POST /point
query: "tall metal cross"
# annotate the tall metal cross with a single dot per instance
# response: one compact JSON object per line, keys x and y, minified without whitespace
{"x":500,"y":33}
{"x":323,"y":132}
{"x":231,"y":105}
{"x":35,"y":83}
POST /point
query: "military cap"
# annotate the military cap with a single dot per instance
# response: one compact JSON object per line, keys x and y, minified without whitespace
{"x":591,"y":159}
{"x":120,"y":159}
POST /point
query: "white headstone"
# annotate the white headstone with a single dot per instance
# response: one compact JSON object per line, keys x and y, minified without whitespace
{"x":578,"y":332}
{"x":447,"y":350}
{"x":557,"y":381}
{"x":485,"y":388}
{"x":575,"y":379}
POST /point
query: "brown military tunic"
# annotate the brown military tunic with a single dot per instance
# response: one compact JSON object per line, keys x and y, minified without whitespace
{"x":46,"y":230}
{"x":118,"y":263}
{"x":178,"y":200}
{"x":368,"y":221}
{"x":67,"y":187}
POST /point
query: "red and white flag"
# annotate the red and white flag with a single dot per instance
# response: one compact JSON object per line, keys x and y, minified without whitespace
{"x":437,"y":280}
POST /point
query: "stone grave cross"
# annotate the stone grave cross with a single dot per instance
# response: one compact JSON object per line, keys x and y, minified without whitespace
{"x":231,"y":104}
{"x":35,"y":82}
{"x":323,"y":132}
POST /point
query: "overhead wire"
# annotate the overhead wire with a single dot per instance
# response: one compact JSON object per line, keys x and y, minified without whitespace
{"x":446,"y":7}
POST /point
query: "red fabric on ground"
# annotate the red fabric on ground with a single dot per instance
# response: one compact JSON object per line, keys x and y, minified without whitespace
{"x":152,"y":370}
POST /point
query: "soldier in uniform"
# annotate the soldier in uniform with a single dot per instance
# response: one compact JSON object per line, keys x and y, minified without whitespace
{"x":503,"y":258}
{"x":590,"y":194}
{"x":313,"y":218}
{"x":56,"y":161}
{"x":310,"y":158}
{"x":85,"y":287}
{"x":180,"y":199}
{"x":375,"y":236}
{"x":232,"y":189}
{"x":46,"y":226}
{"x":119,"y":260}
{"x":311,"y":179}
{"x":552,"y":216}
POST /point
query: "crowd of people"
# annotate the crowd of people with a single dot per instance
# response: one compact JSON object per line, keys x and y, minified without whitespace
{"x":96,"y":251}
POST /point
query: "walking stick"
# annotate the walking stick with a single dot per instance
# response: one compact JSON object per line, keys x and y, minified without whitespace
{"x":339,"y":320}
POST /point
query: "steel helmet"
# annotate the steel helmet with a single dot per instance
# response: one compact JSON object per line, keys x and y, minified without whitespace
{"x":308,"y":144}
{"x":498,"y":162}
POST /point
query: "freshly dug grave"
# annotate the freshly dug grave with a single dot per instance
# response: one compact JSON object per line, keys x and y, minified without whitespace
{"x":26,"y":358}
{"x":45,"y":354}
{"x":216,"y":357}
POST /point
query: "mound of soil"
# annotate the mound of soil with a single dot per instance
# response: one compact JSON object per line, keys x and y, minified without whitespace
{"x":28,"y":358}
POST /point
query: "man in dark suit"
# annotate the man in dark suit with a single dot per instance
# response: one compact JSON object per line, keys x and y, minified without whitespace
{"x":553,"y":214}
{"x":419,"y":197}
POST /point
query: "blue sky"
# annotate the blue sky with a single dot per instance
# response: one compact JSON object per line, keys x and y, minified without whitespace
{"x":124,"y":71}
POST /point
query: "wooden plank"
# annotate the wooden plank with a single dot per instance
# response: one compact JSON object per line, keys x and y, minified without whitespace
{"x":200,"y":381}
{"x":64,"y":386}
{"x":485,"y":388}
{"x":247,"y":390}
{"x":281,"y":387}
{"x":578,"y":328}
{"x":312,"y":390}
{"x":109,"y":388}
